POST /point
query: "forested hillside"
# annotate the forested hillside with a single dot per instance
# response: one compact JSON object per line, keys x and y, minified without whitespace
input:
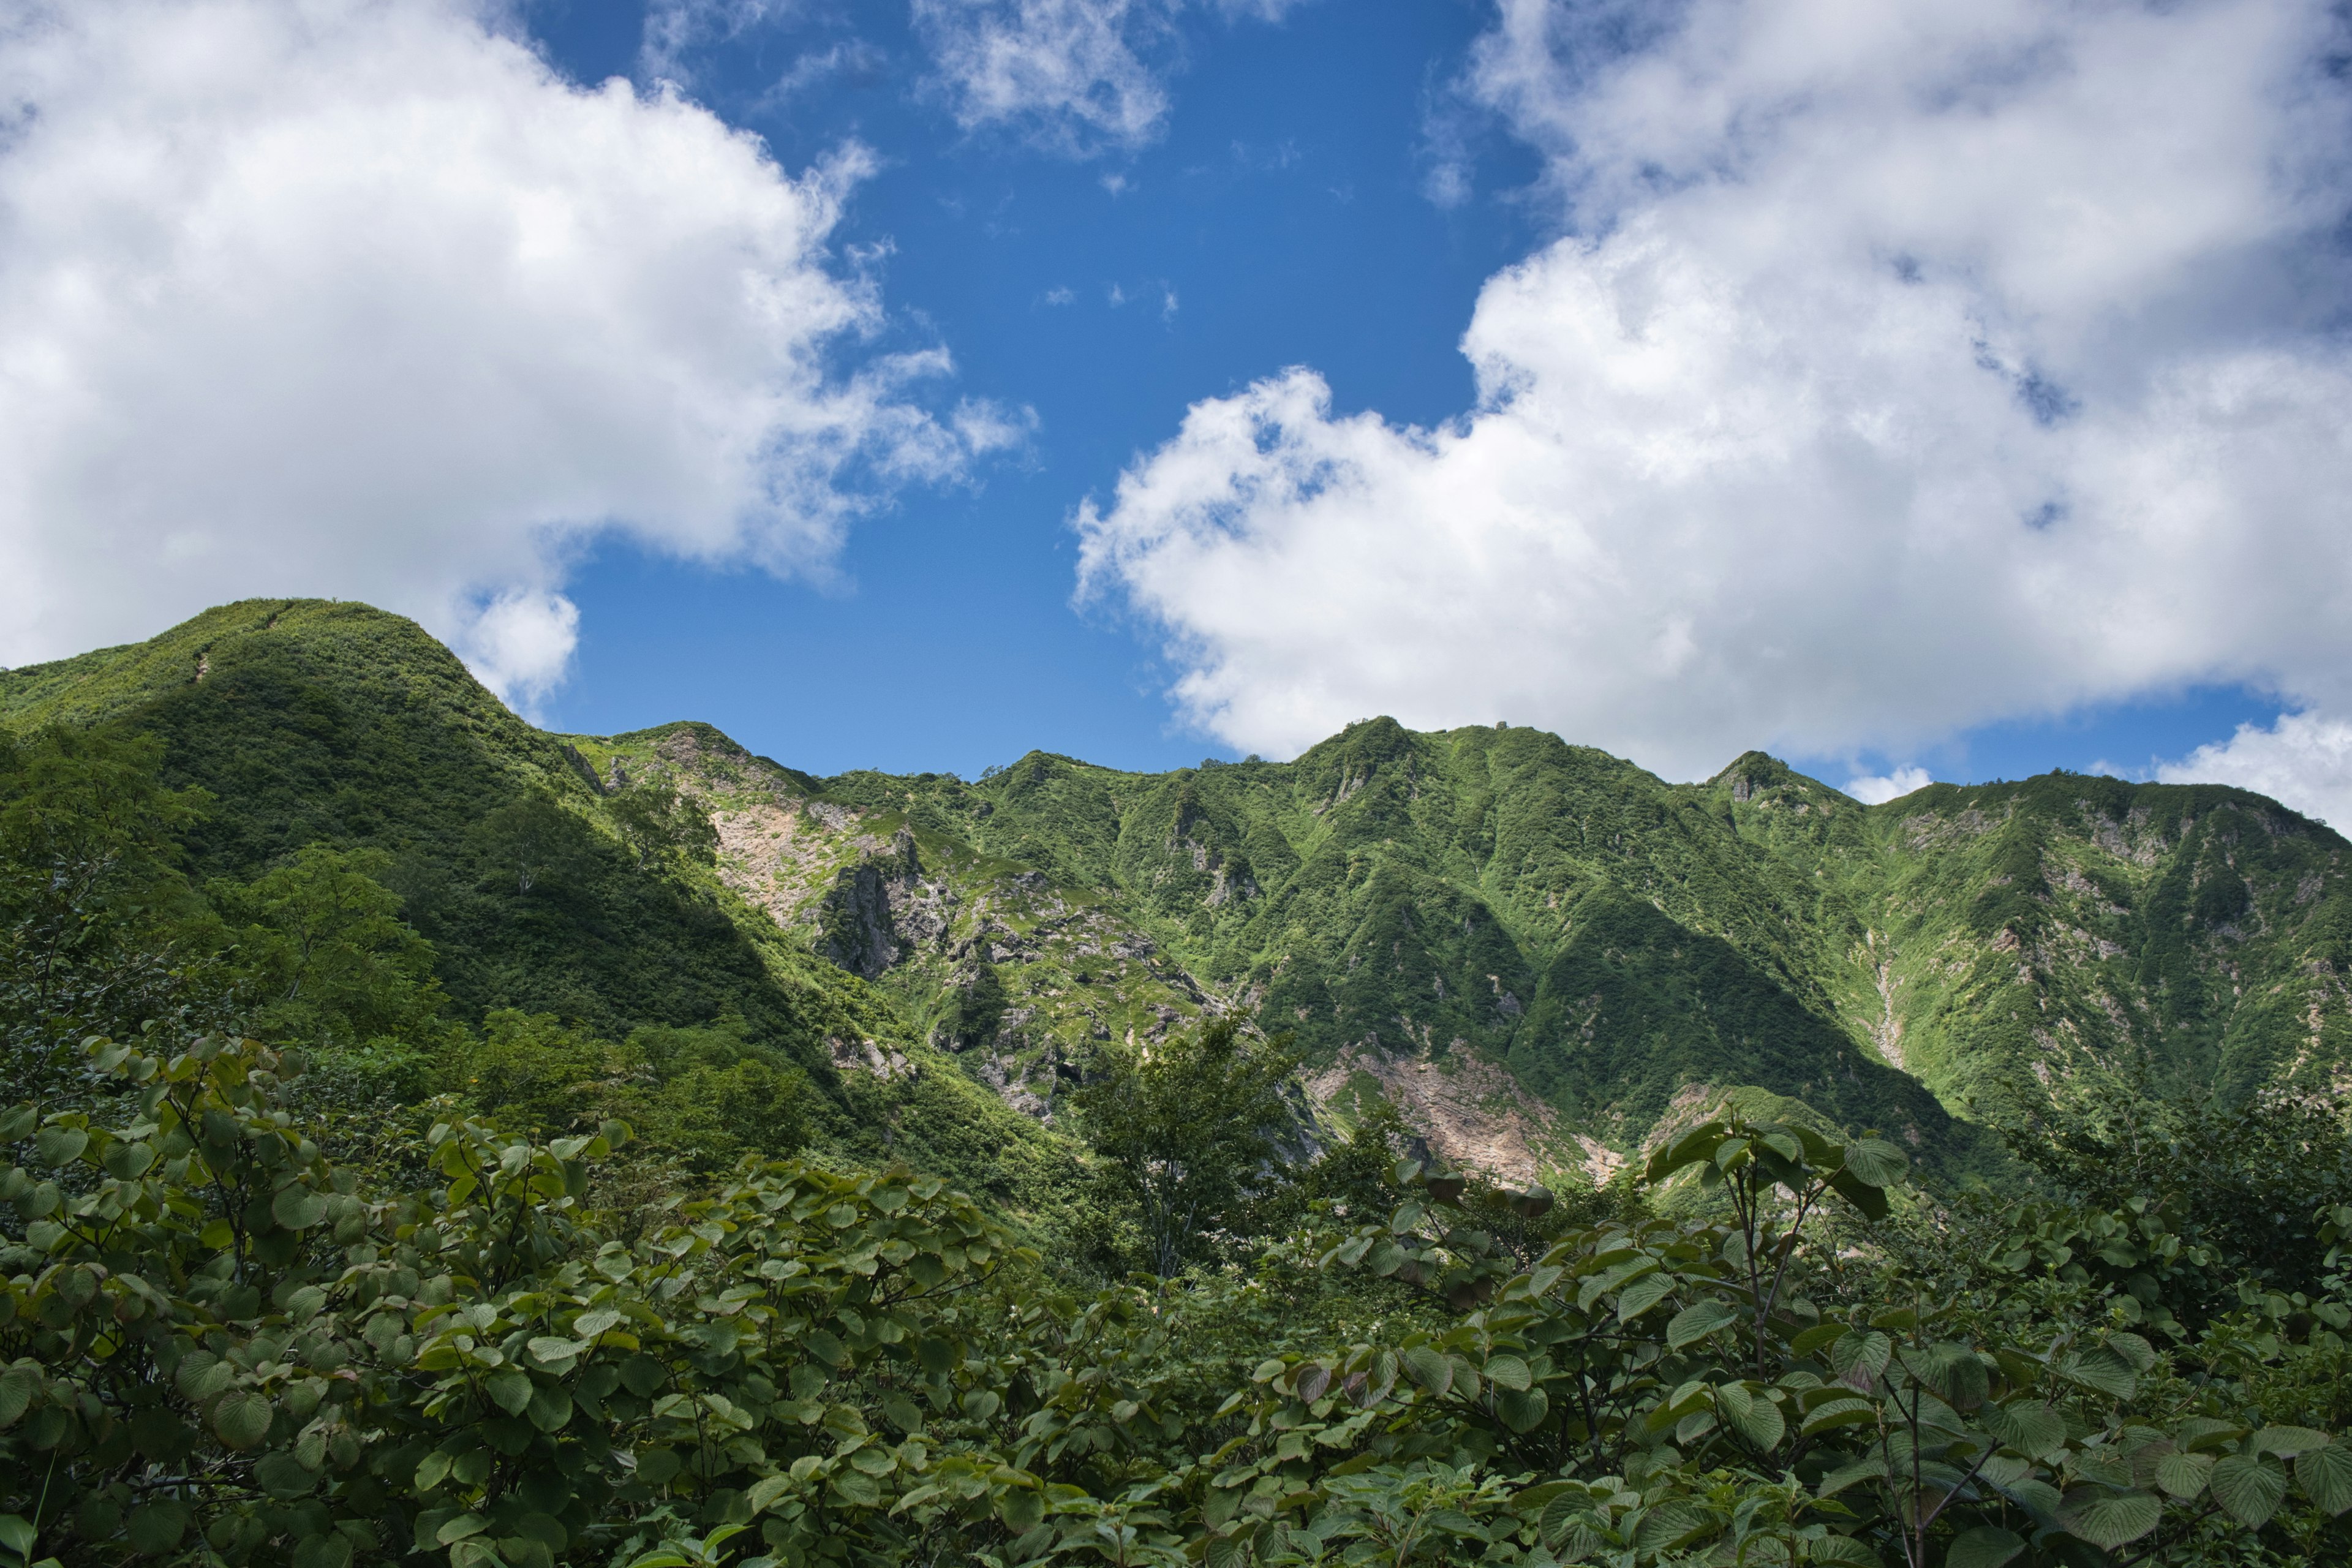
{"x":1533,"y":947}
{"x":429,"y":1140}
{"x":311,"y":722}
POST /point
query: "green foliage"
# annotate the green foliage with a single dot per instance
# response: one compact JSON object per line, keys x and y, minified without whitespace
{"x":2241,"y":1181}
{"x":282,"y":725}
{"x":1185,"y":1129}
{"x":322,"y":947}
{"x":259,"y":1305}
{"x":659,"y":824}
{"x":90,"y":893}
{"x":221,"y":1345}
{"x":709,"y":1095}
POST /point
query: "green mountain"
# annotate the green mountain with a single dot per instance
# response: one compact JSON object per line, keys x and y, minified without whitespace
{"x":1536,"y":949}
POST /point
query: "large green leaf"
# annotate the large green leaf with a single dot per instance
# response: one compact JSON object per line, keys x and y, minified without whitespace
{"x":156,"y":1528}
{"x":1875,"y":1162}
{"x":1837,"y":1412}
{"x":1642,"y":1295}
{"x":2029,"y":1426}
{"x":2105,"y":1370}
{"x":1432,"y":1371}
{"x":2326,"y":1476}
{"x":2109,"y":1519}
{"x":282,"y":1476}
{"x":1561,"y":1512}
{"x":1696,"y":1321}
{"x":1672,"y":1524}
{"x":1522,"y":1411}
{"x":2183,"y":1475}
{"x":1752,"y":1416}
{"x":1870,"y":1468}
{"x":1986,"y":1546}
{"x":2286,"y":1441}
{"x":2249,"y":1488}
{"x":1870,"y":1201}
{"x":1698,"y":1143}
{"x":16,"y":1394}
{"x":1861,"y":1356}
{"x":1504,"y":1372}
{"x":298,"y":1207}
{"x":242,"y":1420}
{"x":59,"y":1145}
{"x":511,"y":1389}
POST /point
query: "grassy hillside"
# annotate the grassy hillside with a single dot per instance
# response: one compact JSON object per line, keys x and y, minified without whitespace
{"x":312,"y":721}
{"x":1531,"y":944}
{"x":1988,"y":938}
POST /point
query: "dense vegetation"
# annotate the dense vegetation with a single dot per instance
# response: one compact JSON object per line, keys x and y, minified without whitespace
{"x":1565,"y":943}
{"x":561,"y":920}
{"x":417,"y":1148}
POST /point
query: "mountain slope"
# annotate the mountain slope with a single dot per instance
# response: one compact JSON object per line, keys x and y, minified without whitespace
{"x":309,"y":721}
{"x":1537,"y":948}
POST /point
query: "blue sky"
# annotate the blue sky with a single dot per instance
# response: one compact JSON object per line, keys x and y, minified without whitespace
{"x":1287,"y":211}
{"x":1283,"y":210}
{"x":1929,"y":392}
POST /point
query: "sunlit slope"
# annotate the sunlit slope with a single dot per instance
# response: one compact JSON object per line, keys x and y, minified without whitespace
{"x":1485,"y":907}
{"x":311,"y":720}
{"x":1991,"y":938}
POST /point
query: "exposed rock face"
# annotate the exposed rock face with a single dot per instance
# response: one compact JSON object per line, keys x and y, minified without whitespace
{"x":858,"y":933}
{"x":856,"y":919}
{"x":1470,"y":1111}
{"x":880,"y":908}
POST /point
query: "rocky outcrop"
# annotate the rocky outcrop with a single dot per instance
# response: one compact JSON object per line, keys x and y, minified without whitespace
{"x":856,"y":922}
{"x":1470,"y":1111}
{"x":880,"y":908}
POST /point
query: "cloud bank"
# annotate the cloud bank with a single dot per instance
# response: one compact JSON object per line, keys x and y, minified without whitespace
{"x":362,"y":299}
{"x":1902,"y":367}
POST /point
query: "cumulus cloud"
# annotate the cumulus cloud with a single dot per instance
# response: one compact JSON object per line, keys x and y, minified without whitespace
{"x":1877,"y":789}
{"x":2305,"y":760}
{"x":1902,"y":368}
{"x":359,"y":299}
{"x":519,"y":641}
{"x":1083,"y":75}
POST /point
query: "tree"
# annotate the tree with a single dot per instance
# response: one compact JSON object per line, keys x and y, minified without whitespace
{"x":657,"y":823}
{"x":531,"y":839}
{"x":1188,"y":1129}
{"x":323,"y":950}
{"x":96,"y":921}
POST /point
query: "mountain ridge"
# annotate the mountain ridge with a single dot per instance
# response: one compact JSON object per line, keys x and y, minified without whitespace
{"x":1538,"y":949}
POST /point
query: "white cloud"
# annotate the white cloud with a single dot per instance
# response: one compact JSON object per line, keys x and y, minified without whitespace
{"x":675,"y":30}
{"x":1082,"y":75}
{"x":1877,"y":789}
{"x":1075,"y":70}
{"x":2304,"y":761}
{"x":361,"y":300}
{"x":1910,"y":365}
{"x":521,"y":640}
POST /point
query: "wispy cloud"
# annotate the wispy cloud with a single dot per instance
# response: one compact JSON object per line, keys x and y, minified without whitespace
{"x":1081,"y":76}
